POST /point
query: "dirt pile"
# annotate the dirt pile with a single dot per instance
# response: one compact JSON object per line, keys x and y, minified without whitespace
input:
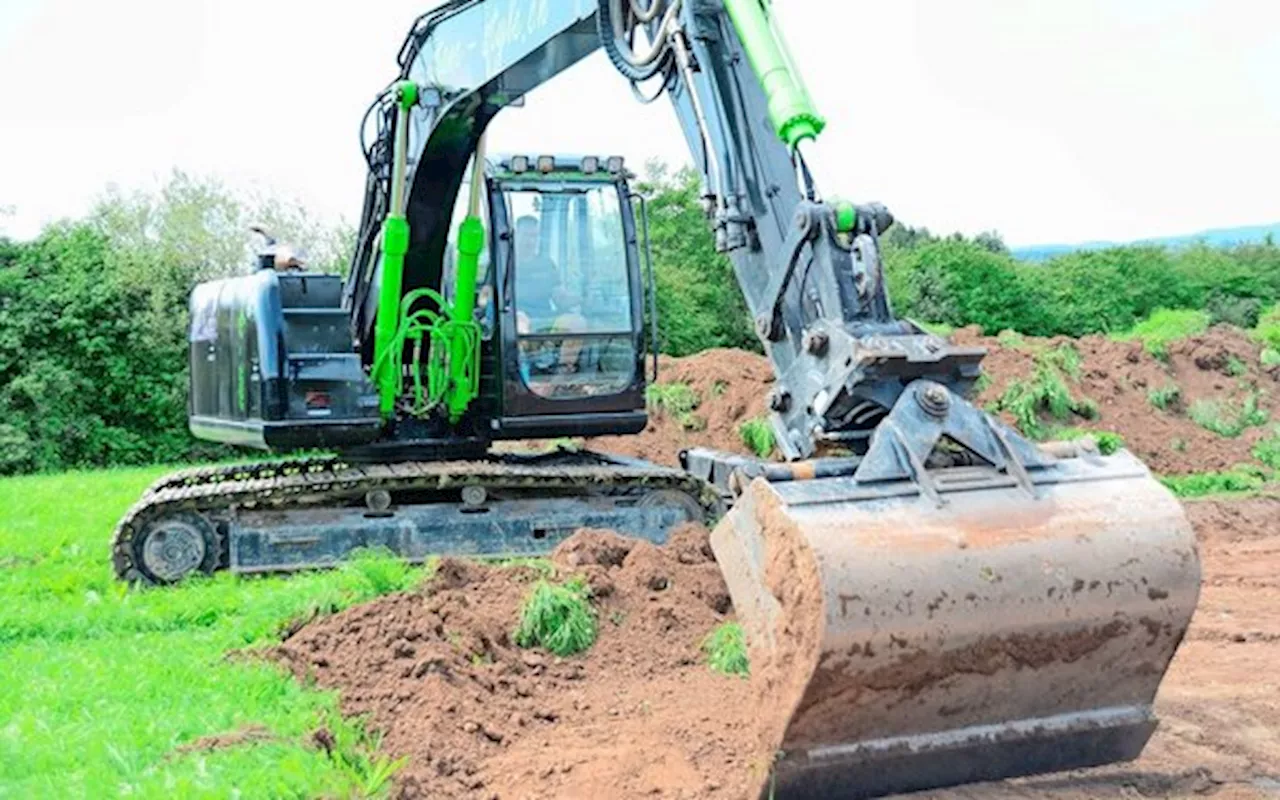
{"x":639,"y":715}
{"x":1220,"y":366}
{"x":1127,"y":384}
{"x":730,"y":387}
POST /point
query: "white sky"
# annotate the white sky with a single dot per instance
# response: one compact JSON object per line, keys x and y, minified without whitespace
{"x":1047,"y":120}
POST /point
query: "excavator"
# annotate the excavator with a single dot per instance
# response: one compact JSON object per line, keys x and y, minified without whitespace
{"x":929,"y":597}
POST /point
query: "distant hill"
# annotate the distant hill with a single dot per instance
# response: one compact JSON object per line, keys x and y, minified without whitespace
{"x":1217,"y":237}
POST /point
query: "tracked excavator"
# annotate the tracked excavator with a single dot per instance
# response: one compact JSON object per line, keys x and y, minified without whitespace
{"x":944,"y":602}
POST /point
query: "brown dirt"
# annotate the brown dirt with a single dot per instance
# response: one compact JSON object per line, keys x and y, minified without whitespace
{"x":638,"y":715}
{"x":248,"y":734}
{"x":733,"y":386}
{"x":1119,"y":375}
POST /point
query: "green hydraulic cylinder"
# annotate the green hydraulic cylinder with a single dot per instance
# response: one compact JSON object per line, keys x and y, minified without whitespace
{"x":464,"y":336}
{"x":791,"y":111}
{"x":395,"y":243}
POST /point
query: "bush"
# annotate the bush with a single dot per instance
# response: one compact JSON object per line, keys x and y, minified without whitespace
{"x":676,"y":399}
{"x":93,"y":319}
{"x":1225,"y":419}
{"x":1166,"y":326}
{"x":1242,"y":478}
{"x":558,"y":618}
{"x":699,"y":303}
{"x":1108,"y":442}
{"x":757,"y":435}
{"x":726,"y":649}
{"x":1268,"y":328}
{"x":1267,"y":450}
{"x":1046,"y":392}
{"x":1165,"y":397}
{"x":962,"y":283}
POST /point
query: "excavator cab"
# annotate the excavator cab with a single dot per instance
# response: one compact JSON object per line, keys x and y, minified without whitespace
{"x":567,"y":296}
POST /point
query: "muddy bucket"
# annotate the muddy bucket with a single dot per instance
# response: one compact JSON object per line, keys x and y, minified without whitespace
{"x":900,"y":642}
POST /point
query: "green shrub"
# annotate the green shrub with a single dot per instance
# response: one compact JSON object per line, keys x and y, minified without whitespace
{"x":679,"y":400}
{"x":1268,"y":329}
{"x":1270,"y":357}
{"x":757,"y":435}
{"x":1166,"y":326}
{"x":1242,"y":478}
{"x":371,"y":572}
{"x":1165,"y":397}
{"x":1267,"y":450}
{"x":558,"y":618}
{"x":1046,"y":392}
{"x":699,"y":303}
{"x":1225,"y":418}
{"x":1108,"y":442}
{"x":726,"y":649}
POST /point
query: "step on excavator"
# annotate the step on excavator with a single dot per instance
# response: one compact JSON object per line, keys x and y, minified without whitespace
{"x":943,"y":602}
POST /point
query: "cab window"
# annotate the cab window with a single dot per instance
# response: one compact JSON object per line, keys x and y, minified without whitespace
{"x":572,"y":291}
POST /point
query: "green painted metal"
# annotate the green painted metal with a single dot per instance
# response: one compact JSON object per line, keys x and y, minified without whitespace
{"x":463,"y":342}
{"x":386,"y":373}
{"x":846,"y":215}
{"x":791,"y":111}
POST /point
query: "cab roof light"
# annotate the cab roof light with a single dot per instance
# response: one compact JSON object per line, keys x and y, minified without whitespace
{"x":519,"y":164}
{"x":590,"y":164}
{"x":614,"y":164}
{"x":546,"y":164}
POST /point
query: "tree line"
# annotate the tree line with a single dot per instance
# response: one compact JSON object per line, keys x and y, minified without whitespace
{"x":93,"y":312}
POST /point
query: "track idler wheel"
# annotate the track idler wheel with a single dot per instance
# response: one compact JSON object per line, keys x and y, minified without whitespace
{"x":170,"y":548}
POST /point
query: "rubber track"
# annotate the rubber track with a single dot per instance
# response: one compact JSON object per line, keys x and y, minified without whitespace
{"x":303,"y":483}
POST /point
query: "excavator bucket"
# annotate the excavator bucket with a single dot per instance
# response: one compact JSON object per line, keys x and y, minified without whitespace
{"x":988,"y":627}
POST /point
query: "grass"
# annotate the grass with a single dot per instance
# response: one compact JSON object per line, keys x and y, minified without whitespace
{"x":1011,"y":339}
{"x":939,"y":329}
{"x":104,"y":684}
{"x":1046,"y":392}
{"x":726,"y":649}
{"x":557,"y":617}
{"x":1164,"y":327}
{"x":1165,"y":397}
{"x":1225,"y":418}
{"x":1268,"y":330}
{"x":1241,"y":478}
{"x":1267,"y":450}
{"x":1109,"y":442}
{"x":679,"y":400}
{"x":757,"y":435}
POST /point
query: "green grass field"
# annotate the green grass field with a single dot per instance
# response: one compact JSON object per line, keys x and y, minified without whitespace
{"x":102,"y":686}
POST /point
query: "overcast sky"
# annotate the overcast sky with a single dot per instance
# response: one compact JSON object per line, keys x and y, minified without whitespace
{"x":1047,"y":120}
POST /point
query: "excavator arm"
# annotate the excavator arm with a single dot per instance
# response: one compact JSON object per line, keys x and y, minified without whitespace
{"x":809,"y":270}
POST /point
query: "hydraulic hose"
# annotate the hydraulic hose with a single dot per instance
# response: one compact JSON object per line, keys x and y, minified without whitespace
{"x":611,"y":24}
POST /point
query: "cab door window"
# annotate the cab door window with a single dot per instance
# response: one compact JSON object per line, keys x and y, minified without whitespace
{"x":572,"y":291}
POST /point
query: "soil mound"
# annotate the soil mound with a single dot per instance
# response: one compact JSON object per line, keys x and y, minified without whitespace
{"x":1220,"y":366}
{"x":638,"y":715}
{"x":731,"y":386}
